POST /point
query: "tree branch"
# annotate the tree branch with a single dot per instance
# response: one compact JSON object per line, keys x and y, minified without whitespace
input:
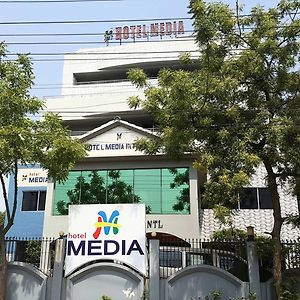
{"x":287,"y":174}
{"x":10,"y":221}
{"x":5,"y":197}
{"x":237,"y":17}
{"x":260,"y":145}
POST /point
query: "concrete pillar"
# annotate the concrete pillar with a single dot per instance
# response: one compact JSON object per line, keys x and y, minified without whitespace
{"x":45,"y":257}
{"x":58,"y":269}
{"x":253,"y":269}
{"x":154,"y":269}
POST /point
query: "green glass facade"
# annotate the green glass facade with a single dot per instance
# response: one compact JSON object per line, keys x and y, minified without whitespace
{"x":163,"y":191}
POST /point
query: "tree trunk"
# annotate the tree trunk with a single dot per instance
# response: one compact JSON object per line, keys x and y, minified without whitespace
{"x":9,"y":223}
{"x":277,"y":266}
{"x":3,"y":269}
{"x":278,"y":221}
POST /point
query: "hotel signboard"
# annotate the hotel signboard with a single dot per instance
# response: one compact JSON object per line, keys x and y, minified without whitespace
{"x":106,"y":231}
{"x":32,"y":177}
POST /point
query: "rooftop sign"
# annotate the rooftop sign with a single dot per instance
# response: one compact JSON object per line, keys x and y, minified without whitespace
{"x":145,"y":31}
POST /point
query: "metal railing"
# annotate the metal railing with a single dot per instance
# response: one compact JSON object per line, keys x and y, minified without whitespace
{"x":38,"y":252}
{"x":227,"y":255}
{"x":174,"y":255}
{"x":291,"y":255}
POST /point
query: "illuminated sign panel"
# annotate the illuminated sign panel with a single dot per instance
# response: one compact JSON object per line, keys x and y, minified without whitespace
{"x":106,"y":231}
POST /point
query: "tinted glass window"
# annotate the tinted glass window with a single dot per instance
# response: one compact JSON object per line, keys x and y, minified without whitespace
{"x":265,"y":200}
{"x":42,"y":200}
{"x":63,"y":189}
{"x":29,"y":201}
{"x":248,"y":198}
{"x":163,"y":191}
{"x":147,"y":185}
{"x":175,"y":191}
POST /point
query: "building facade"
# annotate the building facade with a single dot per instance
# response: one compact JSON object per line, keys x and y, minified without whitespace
{"x":31,"y":200}
{"x":93,"y":105}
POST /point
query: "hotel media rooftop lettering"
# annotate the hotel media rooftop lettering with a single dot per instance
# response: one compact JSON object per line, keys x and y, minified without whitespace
{"x":145,"y":31}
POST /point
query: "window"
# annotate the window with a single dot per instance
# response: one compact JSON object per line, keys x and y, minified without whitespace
{"x":251,"y":198}
{"x":256,"y":197}
{"x":265,"y":200}
{"x":248,"y":198}
{"x":163,"y":191}
{"x":33,"y":201}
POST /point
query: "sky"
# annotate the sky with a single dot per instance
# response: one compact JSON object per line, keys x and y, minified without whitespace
{"x":48,"y":74}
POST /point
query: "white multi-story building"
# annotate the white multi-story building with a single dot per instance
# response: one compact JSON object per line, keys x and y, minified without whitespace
{"x":93,"y":105}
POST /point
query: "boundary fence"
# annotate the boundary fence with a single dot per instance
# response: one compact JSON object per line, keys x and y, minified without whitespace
{"x":174,"y":255}
{"x":36,"y":251}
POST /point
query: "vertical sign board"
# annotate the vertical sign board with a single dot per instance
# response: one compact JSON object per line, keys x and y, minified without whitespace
{"x":106,"y":231}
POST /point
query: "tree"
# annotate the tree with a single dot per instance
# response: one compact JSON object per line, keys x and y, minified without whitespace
{"x":2,"y":218}
{"x":240,"y":109}
{"x":95,"y":191}
{"x":26,"y":139}
{"x":181,"y":179}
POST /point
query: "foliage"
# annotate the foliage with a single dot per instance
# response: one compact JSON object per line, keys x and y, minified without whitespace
{"x":216,"y":295}
{"x":33,"y":252}
{"x":28,"y":139}
{"x":294,"y":220}
{"x":223,"y":214}
{"x":104,"y":297}
{"x":232,"y":234}
{"x":290,"y":290}
{"x":2,"y":218}
{"x":243,"y":104}
{"x":145,"y":295}
{"x":181,"y":179}
{"x":264,"y":244}
{"x":251,"y":296}
{"x":239,"y":110}
{"x":94,"y":191}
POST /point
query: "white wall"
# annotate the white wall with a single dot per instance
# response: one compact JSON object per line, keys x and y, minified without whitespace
{"x":109,"y":97}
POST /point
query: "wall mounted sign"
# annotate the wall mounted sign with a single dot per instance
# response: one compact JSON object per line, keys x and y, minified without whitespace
{"x":118,"y":141}
{"x":32,"y":177}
